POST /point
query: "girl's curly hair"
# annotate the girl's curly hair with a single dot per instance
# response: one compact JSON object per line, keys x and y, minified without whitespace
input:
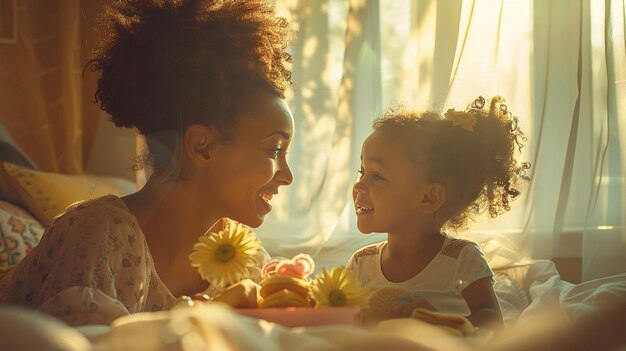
{"x":473,"y":152}
{"x":164,"y":64}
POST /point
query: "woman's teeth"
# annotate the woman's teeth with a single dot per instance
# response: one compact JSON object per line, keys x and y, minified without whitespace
{"x":266,"y":197}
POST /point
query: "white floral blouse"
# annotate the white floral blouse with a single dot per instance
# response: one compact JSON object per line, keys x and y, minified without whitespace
{"x":91,"y":267}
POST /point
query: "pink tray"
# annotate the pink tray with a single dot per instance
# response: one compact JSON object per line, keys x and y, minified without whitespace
{"x":305,"y":317}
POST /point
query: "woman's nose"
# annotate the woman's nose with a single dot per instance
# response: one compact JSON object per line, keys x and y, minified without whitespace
{"x":283,"y":174}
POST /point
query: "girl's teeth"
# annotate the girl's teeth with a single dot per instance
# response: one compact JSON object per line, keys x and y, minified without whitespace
{"x":360,"y":209}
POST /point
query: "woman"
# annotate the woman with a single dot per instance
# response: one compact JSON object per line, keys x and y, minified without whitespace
{"x":203,"y":81}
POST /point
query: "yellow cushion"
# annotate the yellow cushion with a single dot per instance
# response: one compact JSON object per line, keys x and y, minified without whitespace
{"x":47,"y":194}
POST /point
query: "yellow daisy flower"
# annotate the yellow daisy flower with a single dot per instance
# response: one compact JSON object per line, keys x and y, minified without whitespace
{"x":225,"y":257}
{"x":337,"y":288}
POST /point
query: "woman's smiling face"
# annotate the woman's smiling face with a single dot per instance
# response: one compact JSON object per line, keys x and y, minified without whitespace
{"x":248,"y":170}
{"x":388,"y":191}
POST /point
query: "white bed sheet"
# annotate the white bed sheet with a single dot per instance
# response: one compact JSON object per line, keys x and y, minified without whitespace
{"x":525,"y":288}
{"x":527,"y":291}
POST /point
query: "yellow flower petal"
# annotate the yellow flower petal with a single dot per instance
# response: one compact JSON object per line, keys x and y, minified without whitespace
{"x":220,"y":269}
{"x":338,"y":287}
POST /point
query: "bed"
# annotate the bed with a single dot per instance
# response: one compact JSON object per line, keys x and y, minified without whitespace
{"x":541,"y":297}
{"x":530,"y":292}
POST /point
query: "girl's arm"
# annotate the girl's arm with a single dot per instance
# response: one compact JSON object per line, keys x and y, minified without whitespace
{"x":483,"y":304}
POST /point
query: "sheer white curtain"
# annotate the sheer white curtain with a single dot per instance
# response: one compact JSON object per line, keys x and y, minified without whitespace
{"x":337,"y":95}
{"x":560,"y":63}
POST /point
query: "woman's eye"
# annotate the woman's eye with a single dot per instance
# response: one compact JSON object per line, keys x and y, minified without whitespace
{"x":275,"y":152}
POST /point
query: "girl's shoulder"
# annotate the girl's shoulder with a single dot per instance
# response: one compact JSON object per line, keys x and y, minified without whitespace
{"x":452,"y":247}
{"x":369,"y":250}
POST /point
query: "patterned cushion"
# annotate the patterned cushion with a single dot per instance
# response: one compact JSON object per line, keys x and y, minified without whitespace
{"x":47,"y":194}
{"x":19,"y":233}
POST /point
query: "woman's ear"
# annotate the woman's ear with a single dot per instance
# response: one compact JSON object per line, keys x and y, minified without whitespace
{"x":198,"y":140}
{"x":434,"y":196}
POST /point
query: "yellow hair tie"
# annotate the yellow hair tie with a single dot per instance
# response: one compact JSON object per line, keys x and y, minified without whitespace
{"x":464,"y":120}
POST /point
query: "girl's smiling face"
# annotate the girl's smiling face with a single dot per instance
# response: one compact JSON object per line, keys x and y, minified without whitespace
{"x":390,"y":187}
{"x":247,"y":171}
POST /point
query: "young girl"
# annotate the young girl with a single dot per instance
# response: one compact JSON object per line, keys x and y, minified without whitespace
{"x":204,"y":81}
{"x":421,"y":174}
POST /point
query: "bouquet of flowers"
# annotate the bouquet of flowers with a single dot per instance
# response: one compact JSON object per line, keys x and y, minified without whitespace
{"x":240,"y":274}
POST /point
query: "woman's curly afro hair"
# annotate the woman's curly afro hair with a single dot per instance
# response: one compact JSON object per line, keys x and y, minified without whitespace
{"x":163,"y":63}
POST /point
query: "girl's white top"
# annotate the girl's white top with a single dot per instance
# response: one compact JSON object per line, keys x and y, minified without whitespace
{"x":458,"y":264}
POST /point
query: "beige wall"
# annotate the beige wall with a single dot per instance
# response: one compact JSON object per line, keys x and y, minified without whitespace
{"x":112,"y":150}
{"x":92,"y":116}
{"x":44,"y":101}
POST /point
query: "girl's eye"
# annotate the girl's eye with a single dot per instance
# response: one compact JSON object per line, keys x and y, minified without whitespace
{"x":377,"y":177}
{"x":360,"y":172}
{"x":374,"y":176}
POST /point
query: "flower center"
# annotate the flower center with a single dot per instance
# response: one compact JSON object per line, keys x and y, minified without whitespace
{"x":225,"y":253}
{"x":337,"y":298}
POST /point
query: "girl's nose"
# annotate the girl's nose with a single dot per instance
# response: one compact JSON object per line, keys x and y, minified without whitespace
{"x":357,"y":187}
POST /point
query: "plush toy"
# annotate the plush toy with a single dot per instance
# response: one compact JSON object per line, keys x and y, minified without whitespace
{"x":285,"y":282}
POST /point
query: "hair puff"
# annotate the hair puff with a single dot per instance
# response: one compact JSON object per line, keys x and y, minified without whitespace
{"x":166,"y":64}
